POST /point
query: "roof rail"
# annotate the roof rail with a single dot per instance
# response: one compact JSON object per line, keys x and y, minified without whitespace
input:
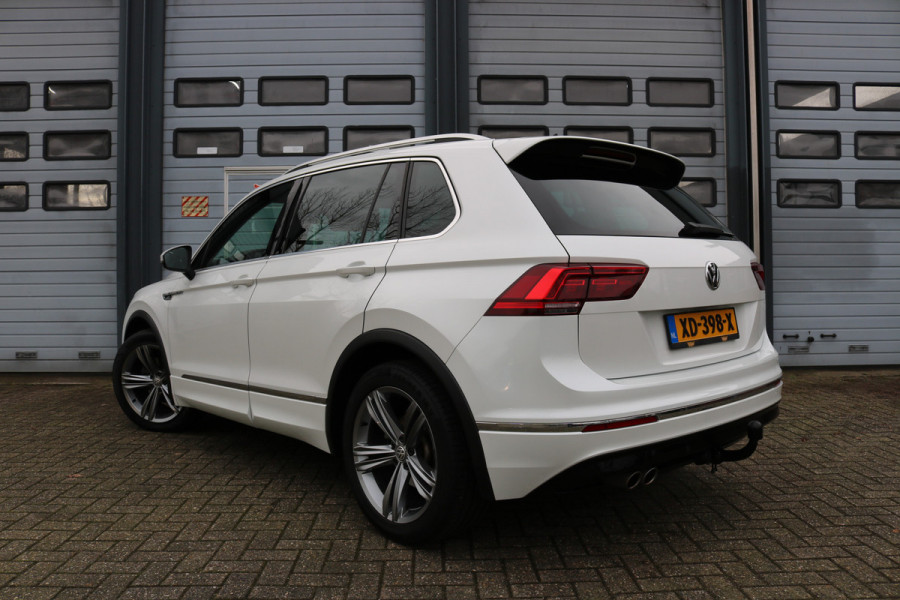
{"x":430,"y":139}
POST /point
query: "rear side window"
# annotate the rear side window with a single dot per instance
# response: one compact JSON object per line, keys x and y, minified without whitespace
{"x":592,"y":207}
{"x":429,"y":207}
{"x":334,"y":209}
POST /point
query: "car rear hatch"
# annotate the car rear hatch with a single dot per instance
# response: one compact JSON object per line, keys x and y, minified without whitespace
{"x":611,"y":205}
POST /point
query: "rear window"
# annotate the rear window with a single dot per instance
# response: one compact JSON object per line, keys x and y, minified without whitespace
{"x":593,"y":207}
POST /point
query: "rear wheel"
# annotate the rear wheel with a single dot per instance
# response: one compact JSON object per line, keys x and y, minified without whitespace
{"x":142,"y":387}
{"x":405,"y":455}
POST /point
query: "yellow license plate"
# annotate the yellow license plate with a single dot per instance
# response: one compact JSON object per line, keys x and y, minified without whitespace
{"x":702,"y":327}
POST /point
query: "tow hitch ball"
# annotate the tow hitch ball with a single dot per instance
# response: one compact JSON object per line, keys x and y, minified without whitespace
{"x":719,"y":455}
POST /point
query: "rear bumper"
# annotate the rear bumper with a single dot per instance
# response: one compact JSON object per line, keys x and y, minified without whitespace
{"x":696,"y":448}
{"x":520,"y":461}
{"x":532,"y":402}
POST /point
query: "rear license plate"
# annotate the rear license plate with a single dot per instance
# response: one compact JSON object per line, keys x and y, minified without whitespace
{"x":703,"y":327}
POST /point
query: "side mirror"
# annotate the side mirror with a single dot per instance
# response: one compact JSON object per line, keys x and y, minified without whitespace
{"x":178,"y":259}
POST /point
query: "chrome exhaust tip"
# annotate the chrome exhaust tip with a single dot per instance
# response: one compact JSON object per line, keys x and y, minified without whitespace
{"x":650,"y":476}
{"x":633,"y":480}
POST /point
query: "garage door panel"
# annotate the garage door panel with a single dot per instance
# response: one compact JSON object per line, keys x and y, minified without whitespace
{"x":42,"y":43}
{"x":607,"y":39}
{"x":848,"y":250}
{"x":279,"y":39}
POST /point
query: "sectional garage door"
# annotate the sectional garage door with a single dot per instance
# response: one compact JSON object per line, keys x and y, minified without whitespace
{"x":648,"y":72}
{"x":835,"y":144}
{"x":254,"y":87}
{"x":58,"y":93}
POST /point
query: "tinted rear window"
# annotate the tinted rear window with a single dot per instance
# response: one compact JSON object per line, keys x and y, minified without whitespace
{"x":591,"y":207}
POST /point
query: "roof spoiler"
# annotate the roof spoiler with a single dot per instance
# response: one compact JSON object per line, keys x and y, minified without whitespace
{"x":568,"y":157}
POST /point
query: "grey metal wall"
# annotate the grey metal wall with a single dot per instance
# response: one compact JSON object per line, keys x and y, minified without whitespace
{"x":836,"y":270}
{"x":58,"y":268}
{"x":607,"y":39}
{"x":252,"y":40}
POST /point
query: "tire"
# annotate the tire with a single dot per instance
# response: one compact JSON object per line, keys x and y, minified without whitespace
{"x":405,"y":455}
{"x":141,"y":384}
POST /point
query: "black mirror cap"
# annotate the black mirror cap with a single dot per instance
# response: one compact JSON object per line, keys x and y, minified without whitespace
{"x":178,"y":259}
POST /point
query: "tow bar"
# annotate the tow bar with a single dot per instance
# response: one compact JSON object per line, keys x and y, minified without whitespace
{"x":716,"y":456}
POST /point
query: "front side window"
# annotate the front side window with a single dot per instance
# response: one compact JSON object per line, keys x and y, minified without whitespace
{"x":429,"y":205}
{"x":334,"y":209}
{"x":247,"y":232}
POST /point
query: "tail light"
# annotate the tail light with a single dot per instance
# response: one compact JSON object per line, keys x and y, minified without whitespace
{"x":760,"y":274}
{"x":554,"y":289}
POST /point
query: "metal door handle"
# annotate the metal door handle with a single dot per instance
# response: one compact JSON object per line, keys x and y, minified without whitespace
{"x":356,"y":269}
{"x":242,"y":283}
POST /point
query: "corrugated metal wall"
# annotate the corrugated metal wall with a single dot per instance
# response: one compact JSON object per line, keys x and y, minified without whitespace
{"x":253,"y":40}
{"x":639,"y":41}
{"x":836,"y":271}
{"x":58,"y":268}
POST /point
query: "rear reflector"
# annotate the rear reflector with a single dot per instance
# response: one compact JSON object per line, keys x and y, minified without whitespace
{"x":555,"y":289}
{"x":620,"y":424}
{"x":760,"y":274}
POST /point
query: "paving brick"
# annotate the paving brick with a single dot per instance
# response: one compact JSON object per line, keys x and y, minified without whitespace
{"x":99,"y":509}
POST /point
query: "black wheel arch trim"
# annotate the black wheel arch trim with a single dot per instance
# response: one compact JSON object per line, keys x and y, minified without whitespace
{"x":420,"y":351}
{"x":144,"y":316}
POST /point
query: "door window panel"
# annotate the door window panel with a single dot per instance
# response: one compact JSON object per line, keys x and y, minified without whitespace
{"x":430,"y":208}
{"x":597,"y":90}
{"x":246,"y":233}
{"x":77,"y":95}
{"x":874,"y":96}
{"x":14,"y":96}
{"x":287,"y":91}
{"x":334,"y":209}
{"x":793,"y":193}
{"x":808,"y":144}
{"x":815,"y":96}
{"x":13,"y":196}
{"x":679,"y":92}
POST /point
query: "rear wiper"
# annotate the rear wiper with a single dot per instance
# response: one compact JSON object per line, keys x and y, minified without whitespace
{"x":699,"y":230}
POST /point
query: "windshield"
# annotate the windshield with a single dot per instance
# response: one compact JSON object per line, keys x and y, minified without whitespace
{"x":590,"y":207}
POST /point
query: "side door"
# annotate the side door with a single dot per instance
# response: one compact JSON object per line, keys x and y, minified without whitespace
{"x":208,"y":348}
{"x":310,"y":300}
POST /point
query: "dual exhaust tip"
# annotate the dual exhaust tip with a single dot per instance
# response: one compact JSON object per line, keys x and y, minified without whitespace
{"x":639,"y":478}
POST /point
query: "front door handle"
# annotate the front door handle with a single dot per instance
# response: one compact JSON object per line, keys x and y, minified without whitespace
{"x":356,"y":268}
{"x":243,"y":282}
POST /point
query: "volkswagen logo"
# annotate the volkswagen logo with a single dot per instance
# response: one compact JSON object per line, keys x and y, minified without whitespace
{"x":712,"y":275}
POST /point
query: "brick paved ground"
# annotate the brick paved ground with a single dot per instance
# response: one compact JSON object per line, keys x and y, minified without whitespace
{"x":91,"y":507}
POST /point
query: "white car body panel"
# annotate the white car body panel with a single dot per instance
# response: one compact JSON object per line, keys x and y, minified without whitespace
{"x":303,"y":314}
{"x":628,"y":338}
{"x":207,"y":339}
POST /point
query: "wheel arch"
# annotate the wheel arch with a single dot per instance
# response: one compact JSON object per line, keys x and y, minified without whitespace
{"x":139,"y":321}
{"x":379,"y":346}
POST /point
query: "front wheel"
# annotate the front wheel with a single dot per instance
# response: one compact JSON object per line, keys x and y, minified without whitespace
{"x":141,"y":384}
{"x":405,"y":455}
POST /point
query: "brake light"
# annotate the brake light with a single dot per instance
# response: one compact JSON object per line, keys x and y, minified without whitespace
{"x":558,"y":289}
{"x":760,"y":274}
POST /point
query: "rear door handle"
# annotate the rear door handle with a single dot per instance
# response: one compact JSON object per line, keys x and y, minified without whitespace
{"x":356,"y":269}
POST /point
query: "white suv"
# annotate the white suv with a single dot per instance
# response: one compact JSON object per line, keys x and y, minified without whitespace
{"x":463,"y":319}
